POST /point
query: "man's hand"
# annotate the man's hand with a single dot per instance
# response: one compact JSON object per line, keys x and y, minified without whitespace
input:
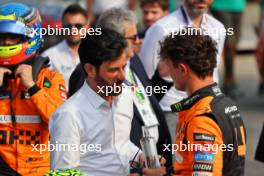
{"x":25,"y":73}
{"x":162,"y":161}
{"x":154,"y":172}
{"x":141,"y":159}
{"x":3,"y":71}
{"x":134,"y":174}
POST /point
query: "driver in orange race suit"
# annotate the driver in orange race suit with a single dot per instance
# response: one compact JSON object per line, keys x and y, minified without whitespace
{"x":29,"y":93}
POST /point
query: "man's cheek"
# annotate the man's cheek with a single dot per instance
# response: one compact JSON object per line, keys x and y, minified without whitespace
{"x":110,"y":78}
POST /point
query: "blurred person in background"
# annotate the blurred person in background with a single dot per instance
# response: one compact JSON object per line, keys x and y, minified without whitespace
{"x":192,"y":13}
{"x":29,"y":93}
{"x":152,"y":11}
{"x":64,"y":56}
{"x":147,"y":111}
{"x":260,"y":49}
{"x":96,"y":7}
{"x":259,"y":155}
{"x":230,"y":12}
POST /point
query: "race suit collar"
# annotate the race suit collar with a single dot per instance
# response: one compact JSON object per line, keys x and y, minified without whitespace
{"x":211,"y":90}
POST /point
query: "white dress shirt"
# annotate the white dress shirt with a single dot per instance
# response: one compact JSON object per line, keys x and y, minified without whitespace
{"x":62,"y":60}
{"x":149,"y":53}
{"x":123,"y":117}
{"x":85,"y":119}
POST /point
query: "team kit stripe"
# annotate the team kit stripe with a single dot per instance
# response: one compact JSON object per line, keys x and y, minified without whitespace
{"x":21,"y":119}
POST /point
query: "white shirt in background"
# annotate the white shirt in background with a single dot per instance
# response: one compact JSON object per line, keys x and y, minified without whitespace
{"x":62,"y":60}
{"x":149,"y":53}
{"x":101,"y":6}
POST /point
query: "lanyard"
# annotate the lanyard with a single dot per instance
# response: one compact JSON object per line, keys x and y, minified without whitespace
{"x":184,"y":14}
{"x":136,"y":90}
{"x":140,"y":99}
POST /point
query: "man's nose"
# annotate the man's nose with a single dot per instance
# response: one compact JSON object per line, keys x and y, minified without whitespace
{"x":122,"y":75}
{"x":149,"y":16}
{"x":136,"y":41}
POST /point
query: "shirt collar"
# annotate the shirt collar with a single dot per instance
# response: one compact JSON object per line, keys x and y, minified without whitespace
{"x":187,"y":103}
{"x":96,"y":100}
{"x":64,"y":44}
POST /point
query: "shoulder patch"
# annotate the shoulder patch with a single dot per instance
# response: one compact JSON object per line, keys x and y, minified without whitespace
{"x":46,"y":83}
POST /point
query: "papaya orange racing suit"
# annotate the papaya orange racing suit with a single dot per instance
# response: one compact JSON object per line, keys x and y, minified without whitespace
{"x":24,"y":120}
{"x":210,"y":137}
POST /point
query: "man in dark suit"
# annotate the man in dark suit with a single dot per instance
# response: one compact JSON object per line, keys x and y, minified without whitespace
{"x":123,"y":21}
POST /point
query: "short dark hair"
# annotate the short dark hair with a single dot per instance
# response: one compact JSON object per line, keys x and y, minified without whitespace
{"x":74,"y":9}
{"x":96,"y":49}
{"x":164,"y":4}
{"x":197,"y":51}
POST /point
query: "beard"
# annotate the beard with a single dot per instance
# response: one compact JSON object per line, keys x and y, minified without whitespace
{"x":194,"y":9}
{"x":114,"y":89}
{"x":72,"y":42}
{"x":199,"y":11}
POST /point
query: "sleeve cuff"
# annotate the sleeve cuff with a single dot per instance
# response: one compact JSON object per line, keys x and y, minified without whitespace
{"x":34,"y":89}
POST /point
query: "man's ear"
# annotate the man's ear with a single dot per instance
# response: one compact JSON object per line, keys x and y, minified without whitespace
{"x":90,"y":70}
{"x":184,"y":69}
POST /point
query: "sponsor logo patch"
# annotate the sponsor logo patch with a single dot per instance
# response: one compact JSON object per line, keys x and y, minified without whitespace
{"x":201,"y":174}
{"x":217,"y":90}
{"x":178,"y":158}
{"x":203,"y":137}
{"x":203,"y":156}
{"x":203,"y":167}
{"x":46,"y":83}
{"x":230,"y":109}
{"x":62,"y":88}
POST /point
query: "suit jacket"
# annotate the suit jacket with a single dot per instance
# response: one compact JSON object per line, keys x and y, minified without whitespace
{"x":76,"y":81}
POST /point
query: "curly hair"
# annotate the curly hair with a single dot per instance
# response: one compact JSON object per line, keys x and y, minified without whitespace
{"x":197,"y":51}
